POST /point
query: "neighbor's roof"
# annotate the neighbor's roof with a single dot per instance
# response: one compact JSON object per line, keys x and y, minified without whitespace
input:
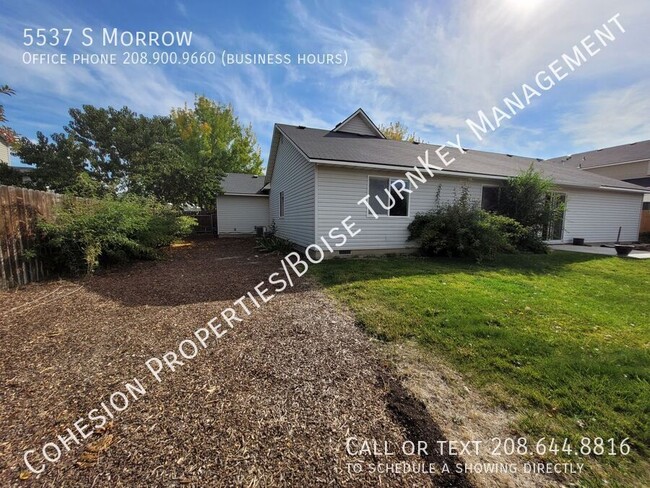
{"x":240,"y":183}
{"x":627,"y":153}
{"x":326,"y":145}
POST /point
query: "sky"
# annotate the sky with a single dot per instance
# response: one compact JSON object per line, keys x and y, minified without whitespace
{"x":429,"y":64}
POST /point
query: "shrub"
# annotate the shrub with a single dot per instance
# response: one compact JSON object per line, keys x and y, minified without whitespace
{"x":84,"y":234}
{"x":462,"y":229}
{"x":525,"y":198}
{"x":272,"y":243}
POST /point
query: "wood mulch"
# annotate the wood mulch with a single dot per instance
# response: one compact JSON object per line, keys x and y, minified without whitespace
{"x":270,"y":404}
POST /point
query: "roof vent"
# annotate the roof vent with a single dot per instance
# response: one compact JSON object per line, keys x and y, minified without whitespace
{"x":509,"y":155}
{"x":301,"y":127}
{"x":255,"y":176}
{"x":416,"y":142}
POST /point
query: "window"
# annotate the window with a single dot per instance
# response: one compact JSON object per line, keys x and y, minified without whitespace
{"x":281,"y":204}
{"x":389,"y":196}
{"x":490,"y":198}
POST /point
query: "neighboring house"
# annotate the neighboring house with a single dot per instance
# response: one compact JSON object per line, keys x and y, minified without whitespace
{"x":5,"y":155}
{"x":316,"y":177}
{"x":629,"y":162}
{"x":242,"y":205}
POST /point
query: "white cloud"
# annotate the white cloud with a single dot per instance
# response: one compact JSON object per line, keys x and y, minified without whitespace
{"x":182,"y":9}
{"x":610,"y":117}
{"x":432,"y":66}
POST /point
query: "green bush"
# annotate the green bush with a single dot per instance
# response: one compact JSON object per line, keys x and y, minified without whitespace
{"x":462,"y":229}
{"x":273,"y":243}
{"x":85,"y":234}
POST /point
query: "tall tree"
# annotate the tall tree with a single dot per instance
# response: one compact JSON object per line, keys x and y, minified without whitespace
{"x":8,"y":175}
{"x":213,"y":137}
{"x":399,"y":132}
{"x":58,"y":162}
{"x":6,"y":133}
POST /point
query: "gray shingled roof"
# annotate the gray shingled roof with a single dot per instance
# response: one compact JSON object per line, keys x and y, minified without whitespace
{"x":242,"y":183}
{"x":637,"y":151}
{"x":337,"y":146}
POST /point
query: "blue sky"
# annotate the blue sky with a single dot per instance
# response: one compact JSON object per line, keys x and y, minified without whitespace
{"x":428,"y":64}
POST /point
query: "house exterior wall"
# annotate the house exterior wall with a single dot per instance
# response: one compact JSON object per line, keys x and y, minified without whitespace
{"x":590,"y":214}
{"x":623,"y":171}
{"x":597,"y":215}
{"x":295,"y":176}
{"x":4,"y":153}
{"x":339,"y":190}
{"x":240,"y":214}
{"x":356,"y":125}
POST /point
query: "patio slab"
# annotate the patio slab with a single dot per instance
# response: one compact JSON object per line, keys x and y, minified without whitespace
{"x":604,"y":251}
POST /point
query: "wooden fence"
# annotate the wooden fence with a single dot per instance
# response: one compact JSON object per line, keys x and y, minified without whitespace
{"x":645,"y":221}
{"x":19,"y":209}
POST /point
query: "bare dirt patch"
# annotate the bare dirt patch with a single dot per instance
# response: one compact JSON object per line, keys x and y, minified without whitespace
{"x":462,"y":414}
{"x":270,"y":405}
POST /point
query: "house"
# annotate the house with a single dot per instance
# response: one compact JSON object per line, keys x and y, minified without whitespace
{"x":316,"y":178}
{"x":242,"y":205}
{"x":5,"y":153}
{"x":629,"y":162}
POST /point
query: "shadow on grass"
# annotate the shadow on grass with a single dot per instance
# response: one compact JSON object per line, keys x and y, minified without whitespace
{"x":338,"y":271}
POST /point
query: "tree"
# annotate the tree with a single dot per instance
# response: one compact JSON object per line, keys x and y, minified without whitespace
{"x":215,"y":143}
{"x":58,"y":162}
{"x":178,"y":159}
{"x":6,"y":133}
{"x":399,"y":132}
{"x":525,"y":198}
{"x":10,"y":176}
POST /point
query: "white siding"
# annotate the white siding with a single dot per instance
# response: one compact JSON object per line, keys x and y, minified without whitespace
{"x":295,"y":176}
{"x":240,"y":214}
{"x":597,"y":215}
{"x":4,"y":153}
{"x":627,"y":171}
{"x":356,"y":125}
{"x":339,"y":190}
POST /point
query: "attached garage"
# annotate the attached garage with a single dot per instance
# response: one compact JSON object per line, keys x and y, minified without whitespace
{"x":242,"y":206}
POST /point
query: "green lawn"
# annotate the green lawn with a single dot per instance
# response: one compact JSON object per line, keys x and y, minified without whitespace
{"x":562,"y":338}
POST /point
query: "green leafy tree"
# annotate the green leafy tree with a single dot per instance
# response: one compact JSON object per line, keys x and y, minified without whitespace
{"x":58,"y":161}
{"x":215,"y":142}
{"x":525,"y":198}
{"x":399,"y":132}
{"x":10,"y":176}
{"x":6,"y":133}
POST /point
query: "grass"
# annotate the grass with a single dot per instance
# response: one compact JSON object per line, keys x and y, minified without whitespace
{"x":562,"y":338}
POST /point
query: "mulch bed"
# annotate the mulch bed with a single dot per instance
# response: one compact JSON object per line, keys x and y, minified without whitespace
{"x":271,"y":404}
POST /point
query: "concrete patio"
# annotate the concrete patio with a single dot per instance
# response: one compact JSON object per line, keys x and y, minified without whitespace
{"x":596,"y":249}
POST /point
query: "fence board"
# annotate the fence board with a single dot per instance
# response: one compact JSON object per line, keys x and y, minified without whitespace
{"x":645,"y":221}
{"x":20,"y":209}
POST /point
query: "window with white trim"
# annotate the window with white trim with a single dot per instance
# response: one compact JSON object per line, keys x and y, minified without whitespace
{"x":490,"y":196}
{"x":389,"y":196}
{"x":281,"y":204}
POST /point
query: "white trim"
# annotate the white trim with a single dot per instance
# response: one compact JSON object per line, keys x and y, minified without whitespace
{"x":486,"y":186}
{"x":404,"y":169}
{"x":242,"y":195}
{"x":606,"y":165}
{"x":388,"y":215}
{"x":292,"y":143}
{"x":315,"y":203}
{"x":365,"y":116}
